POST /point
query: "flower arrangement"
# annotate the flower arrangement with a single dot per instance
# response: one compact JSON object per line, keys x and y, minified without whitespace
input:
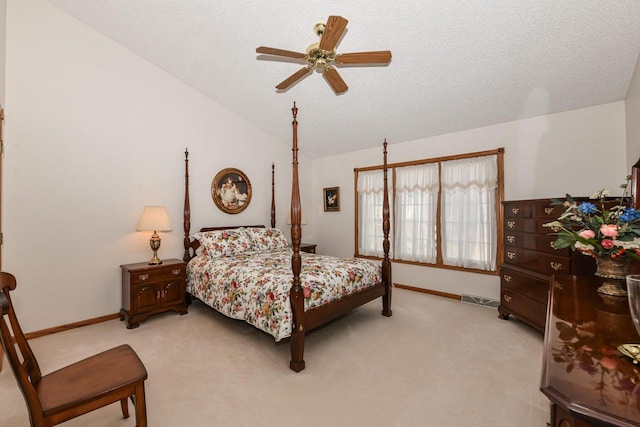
{"x":597,"y":229}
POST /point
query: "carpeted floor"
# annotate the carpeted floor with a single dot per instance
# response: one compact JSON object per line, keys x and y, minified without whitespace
{"x":436,"y":362}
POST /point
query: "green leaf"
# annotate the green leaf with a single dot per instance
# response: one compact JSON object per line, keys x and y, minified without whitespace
{"x":563,"y":241}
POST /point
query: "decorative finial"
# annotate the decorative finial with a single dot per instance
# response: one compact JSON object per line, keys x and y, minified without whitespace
{"x":294,"y":110}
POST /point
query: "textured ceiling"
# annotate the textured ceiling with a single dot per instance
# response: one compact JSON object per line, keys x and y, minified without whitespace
{"x":456,"y":65}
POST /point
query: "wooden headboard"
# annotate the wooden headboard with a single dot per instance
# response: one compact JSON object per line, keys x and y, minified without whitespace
{"x":191,"y":246}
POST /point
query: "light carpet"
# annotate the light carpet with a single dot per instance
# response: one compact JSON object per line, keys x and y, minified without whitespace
{"x":436,"y":362}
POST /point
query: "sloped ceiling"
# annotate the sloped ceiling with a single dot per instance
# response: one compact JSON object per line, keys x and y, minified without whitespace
{"x":456,"y":65}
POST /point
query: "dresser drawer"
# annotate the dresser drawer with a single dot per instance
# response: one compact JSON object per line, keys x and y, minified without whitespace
{"x":158,"y":274}
{"x":521,"y":209}
{"x":544,"y":209}
{"x":537,"y":261}
{"x":534,"y":287}
{"x":529,"y":225}
{"x":536,"y":242}
{"x":527,"y":309}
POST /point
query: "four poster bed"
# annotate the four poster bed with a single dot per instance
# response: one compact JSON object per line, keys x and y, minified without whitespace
{"x":251,"y":273}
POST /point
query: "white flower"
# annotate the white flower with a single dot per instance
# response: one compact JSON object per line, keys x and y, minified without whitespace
{"x":583,"y":247}
{"x":633,"y":244}
{"x":600,"y":194}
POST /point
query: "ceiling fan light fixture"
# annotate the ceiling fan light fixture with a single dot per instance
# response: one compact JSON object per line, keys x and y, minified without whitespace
{"x":321,"y":56}
{"x":319,"y":28}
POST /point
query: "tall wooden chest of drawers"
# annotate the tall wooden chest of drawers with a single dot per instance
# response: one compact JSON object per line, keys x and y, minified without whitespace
{"x":530,"y":261}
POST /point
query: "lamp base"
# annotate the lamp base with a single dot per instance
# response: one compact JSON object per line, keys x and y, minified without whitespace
{"x":155,"y":245}
{"x":155,"y":260}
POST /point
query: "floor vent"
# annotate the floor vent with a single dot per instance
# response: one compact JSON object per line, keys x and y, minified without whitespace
{"x":485,"y":302}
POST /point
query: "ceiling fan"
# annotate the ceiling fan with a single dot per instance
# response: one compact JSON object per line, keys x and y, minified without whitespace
{"x":322,"y":55}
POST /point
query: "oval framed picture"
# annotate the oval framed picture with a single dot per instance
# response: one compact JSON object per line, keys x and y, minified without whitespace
{"x":231,"y":190}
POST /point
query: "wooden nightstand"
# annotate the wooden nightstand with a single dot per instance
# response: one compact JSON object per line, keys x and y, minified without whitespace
{"x":308,"y":247}
{"x":150,"y":289}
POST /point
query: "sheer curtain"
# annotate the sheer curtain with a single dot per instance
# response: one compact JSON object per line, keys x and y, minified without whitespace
{"x":415,"y":212}
{"x":370,"y":195}
{"x":469,"y":215}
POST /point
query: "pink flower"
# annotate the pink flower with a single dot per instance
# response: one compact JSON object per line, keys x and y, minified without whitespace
{"x":607,"y":244}
{"x":587,"y":234}
{"x":609,"y":230}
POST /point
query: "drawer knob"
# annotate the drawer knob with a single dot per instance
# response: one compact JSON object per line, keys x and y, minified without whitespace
{"x":507,"y":298}
{"x":143,"y":276}
{"x":556,"y":265}
{"x":551,"y":244}
{"x":511,"y":255}
{"x":511,"y":239}
{"x":515,"y":211}
{"x":548,"y":211}
{"x":507,"y":278}
{"x":176,"y":271}
{"x":511,"y":224}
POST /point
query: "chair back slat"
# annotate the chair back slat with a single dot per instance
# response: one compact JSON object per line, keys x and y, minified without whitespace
{"x":21,"y":358}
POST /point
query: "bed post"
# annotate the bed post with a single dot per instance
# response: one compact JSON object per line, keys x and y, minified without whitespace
{"x":273,"y":196}
{"x":386,"y":225}
{"x":295,"y":295}
{"x":187,"y":209}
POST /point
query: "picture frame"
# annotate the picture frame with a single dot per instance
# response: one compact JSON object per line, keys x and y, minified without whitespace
{"x":231,"y":190}
{"x":331,"y":199}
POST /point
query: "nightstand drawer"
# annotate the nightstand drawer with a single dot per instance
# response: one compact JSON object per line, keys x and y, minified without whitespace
{"x":169,"y":272}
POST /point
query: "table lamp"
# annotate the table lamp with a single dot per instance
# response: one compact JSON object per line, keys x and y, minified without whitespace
{"x":303,"y":220}
{"x":154,"y":218}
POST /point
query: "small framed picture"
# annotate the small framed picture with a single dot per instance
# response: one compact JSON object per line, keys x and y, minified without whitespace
{"x":331,"y":199}
{"x":231,"y":191}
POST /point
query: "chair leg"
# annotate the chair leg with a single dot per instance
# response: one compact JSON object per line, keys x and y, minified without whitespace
{"x":125,"y":408}
{"x":141,"y":406}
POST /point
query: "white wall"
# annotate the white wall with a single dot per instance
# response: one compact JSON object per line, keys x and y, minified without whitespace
{"x":576,"y":152}
{"x":3,"y":29}
{"x":93,"y":133}
{"x":632,"y":104}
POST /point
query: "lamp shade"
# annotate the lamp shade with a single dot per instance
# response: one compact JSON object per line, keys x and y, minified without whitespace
{"x":154,"y":218}
{"x":303,"y":220}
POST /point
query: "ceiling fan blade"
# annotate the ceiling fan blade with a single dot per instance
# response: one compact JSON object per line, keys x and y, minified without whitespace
{"x":332,"y":32}
{"x":293,"y":78}
{"x":280,"y":52}
{"x":377,"y":57}
{"x":335,"y":81}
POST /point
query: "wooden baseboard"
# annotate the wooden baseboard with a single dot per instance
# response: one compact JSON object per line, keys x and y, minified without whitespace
{"x":428,"y":291}
{"x":69,"y":326}
{"x":61,"y":328}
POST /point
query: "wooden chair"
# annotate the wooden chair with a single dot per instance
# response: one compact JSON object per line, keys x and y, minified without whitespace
{"x":108,"y":377}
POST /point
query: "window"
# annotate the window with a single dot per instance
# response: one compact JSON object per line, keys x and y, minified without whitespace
{"x":445,"y":211}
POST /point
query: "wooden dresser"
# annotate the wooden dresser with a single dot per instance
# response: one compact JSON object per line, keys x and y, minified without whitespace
{"x":530,"y":261}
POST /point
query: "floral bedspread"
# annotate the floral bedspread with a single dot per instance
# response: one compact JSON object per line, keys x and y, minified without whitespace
{"x":255,"y":287}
